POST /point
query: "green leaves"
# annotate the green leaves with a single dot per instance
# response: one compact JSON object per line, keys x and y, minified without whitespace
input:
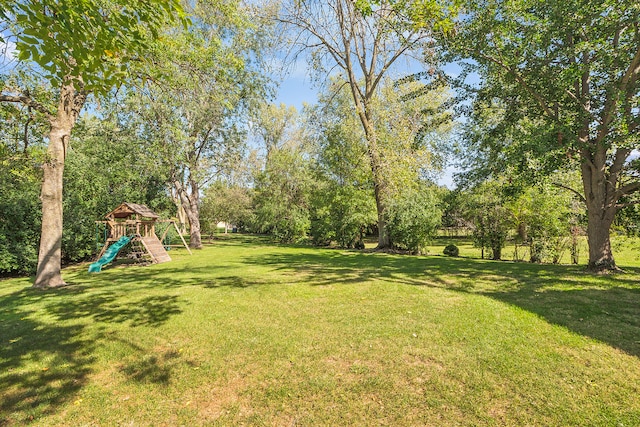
{"x":413,"y":218}
{"x":89,"y":41}
{"x":438,"y":15}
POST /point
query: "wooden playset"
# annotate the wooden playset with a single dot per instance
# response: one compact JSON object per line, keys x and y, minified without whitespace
{"x":138,"y":222}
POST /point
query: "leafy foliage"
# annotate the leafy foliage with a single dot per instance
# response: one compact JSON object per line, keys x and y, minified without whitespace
{"x":365,"y":40}
{"x":542,"y":218}
{"x":414,"y":218}
{"x":411,"y":130}
{"x":232,"y":204}
{"x":193,"y":117}
{"x":282,"y":196}
{"x":21,"y":153}
{"x":486,"y":210}
{"x":90,"y":41}
{"x":563,"y":79}
{"x":342,"y":203}
{"x":451,"y":250}
{"x":341,"y":214}
{"x":19,"y":217}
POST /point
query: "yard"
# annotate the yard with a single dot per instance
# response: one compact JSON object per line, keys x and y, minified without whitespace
{"x":248,"y":333}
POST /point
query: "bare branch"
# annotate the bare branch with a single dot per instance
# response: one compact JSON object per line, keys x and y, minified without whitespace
{"x":574,"y":191}
{"x":28,"y":101}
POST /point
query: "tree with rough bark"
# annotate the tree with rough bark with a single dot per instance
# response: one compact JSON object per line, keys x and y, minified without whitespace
{"x":567,"y":77}
{"x":81,"y":47}
{"x":364,"y":41}
{"x":412,"y":128}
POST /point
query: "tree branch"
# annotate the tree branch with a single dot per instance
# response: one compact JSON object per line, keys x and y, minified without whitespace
{"x":521,"y":81}
{"x":627,"y":204}
{"x":29,"y":102}
{"x":613,"y":97}
{"x":627,"y":189}
{"x":576,"y":192}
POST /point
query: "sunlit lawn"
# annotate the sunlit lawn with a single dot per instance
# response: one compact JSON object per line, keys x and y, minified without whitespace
{"x":248,"y":333}
{"x":626,"y":250}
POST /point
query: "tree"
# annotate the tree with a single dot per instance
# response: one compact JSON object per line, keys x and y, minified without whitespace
{"x":364,"y":41}
{"x":224,"y":201}
{"x":282,"y":182}
{"x":567,"y":73}
{"x":81,"y":47}
{"x":274,"y":124}
{"x":414,"y":218}
{"x":342,"y":202}
{"x":281,"y":202}
{"x":486,"y":210}
{"x":192,"y":116}
{"x":541,"y":216}
{"x":412,"y":129}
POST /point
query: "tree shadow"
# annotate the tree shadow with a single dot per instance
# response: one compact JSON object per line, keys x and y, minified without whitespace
{"x":108,"y":307}
{"x":603,"y":307}
{"x":42,"y":364}
{"x":151,"y":368}
{"x":48,"y":339}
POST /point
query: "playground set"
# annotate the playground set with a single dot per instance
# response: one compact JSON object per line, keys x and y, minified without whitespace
{"x":134,"y":224}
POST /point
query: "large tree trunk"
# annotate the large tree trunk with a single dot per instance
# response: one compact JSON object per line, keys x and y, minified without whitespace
{"x":496,"y":252}
{"x":384,"y":240}
{"x":379,"y":181}
{"x":195,"y":238}
{"x":601,"y":209}
{"x":190,"y":204}
{"x":600,"y":255}
{"x":48,"y":273}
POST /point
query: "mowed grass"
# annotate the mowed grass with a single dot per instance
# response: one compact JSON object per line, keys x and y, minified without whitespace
{"x":248,"y":333}
{"x":626,"y":250}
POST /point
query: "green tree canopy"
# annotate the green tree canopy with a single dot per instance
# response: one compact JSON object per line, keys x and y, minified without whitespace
{"x":81,"y":47}
{"x":566,"y":76}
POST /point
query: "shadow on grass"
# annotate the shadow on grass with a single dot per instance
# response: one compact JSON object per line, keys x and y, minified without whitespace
{"x":151,"y":368}
{"x":108,"y":307}
{"x":601,"y":307}
{"x":42,"y":364}
{"x":48,"y":340}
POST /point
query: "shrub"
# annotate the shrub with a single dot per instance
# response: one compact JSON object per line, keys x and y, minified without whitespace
{"x":413,"y":219}
{"x":451,"y":250}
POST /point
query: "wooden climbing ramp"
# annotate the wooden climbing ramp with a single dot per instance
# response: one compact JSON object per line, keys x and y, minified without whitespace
{"x":155,"y":249}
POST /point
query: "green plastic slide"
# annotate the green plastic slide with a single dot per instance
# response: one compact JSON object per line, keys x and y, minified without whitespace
{"x":109,"y":255}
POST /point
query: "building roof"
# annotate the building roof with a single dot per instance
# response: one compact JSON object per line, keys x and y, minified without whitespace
{"x":127,"y":209}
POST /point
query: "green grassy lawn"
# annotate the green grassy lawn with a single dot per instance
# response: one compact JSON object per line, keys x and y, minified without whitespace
{"x":626,"y":250}
{"x":247,"y":333}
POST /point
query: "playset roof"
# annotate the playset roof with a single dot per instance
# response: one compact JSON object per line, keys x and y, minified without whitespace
{"x":126,"y":210}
